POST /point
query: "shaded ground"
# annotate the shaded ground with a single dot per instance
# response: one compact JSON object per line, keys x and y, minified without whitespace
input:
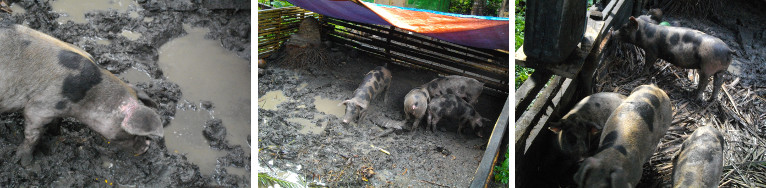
{"x":302,"y":132}
{"x":738,"y":112}
{"x":71,"y":155}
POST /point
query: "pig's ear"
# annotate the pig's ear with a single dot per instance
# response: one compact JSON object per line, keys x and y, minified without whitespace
{"x":632,"y":23}
{"x":143,"y":97}
{"x":594,"y":128}
{"x":344,"y":102}
{"x":143,"y":122}
{"x":555,"y":127}
{"x":363,"y":106}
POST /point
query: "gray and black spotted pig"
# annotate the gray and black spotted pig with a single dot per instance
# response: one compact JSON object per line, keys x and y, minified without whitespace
{"x":468,"y":89}
{"x":46,"y":78}
{"x":578,"y":132}
{"x":628,"y":140}
{"x":700,"y":161}
{"x":375,"y":82}
{"x":683,"y":47}
{"x":415,"y":105}
{"x":453,"y":107}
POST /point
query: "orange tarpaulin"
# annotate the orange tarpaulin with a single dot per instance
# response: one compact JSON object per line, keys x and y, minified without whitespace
{"x":476,"y":31}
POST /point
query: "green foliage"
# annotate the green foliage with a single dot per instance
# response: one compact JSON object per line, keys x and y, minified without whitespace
{"x":522,"y":73}
{"x":464,"y":7}
{"x":276,"y":3}
{"x":266,"y":180}
{"x":501,"y":171}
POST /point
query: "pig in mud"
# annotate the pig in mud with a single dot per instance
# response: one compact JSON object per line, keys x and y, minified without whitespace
{"x":468,"y":89}
{"x":375,"y":82}
{"x":578,"y":131}
{"x":700,"y":161}
{"x":628,"y":140}
{"x":415,"y":105}
{"x":683,"y":47}
{"x":453,"y":107}
{"x":46,"y":78}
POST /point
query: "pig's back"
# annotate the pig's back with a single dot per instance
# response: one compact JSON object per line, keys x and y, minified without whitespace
{"x":33,"y":64}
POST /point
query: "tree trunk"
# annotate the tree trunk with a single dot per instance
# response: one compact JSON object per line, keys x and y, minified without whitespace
{"x":478,"y":7}
{"x":501,"y":11}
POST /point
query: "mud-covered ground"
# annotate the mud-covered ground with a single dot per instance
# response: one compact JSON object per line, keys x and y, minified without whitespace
{"x":299,"y":129}
{"x":738,"y":112}
{"x":70,"y":154}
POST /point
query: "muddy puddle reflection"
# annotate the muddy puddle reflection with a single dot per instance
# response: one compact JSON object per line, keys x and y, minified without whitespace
{"x":205,"y":72}
{"x":75,"y":9}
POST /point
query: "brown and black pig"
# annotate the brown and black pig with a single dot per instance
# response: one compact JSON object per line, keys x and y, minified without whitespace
{"x":375,"y":82}
{"x":628,"y":140}
{"x":683,"y":47}
{"x":415,"y":105}
{"x":453,"y":107}
{"x":468,"y":89}
{"x":700,"y":161}
{"x":578,"y":132}
{"x":46,"y":78}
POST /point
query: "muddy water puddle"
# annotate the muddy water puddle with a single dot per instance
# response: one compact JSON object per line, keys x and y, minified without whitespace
{"x":271,"y":100}
{"x":17,"y":9}
{"x":329,"y":106}
{"x":75,"y":10}
{"x":134,"y":76}
{"x":130,"y":35}
{"x":205,"y":72}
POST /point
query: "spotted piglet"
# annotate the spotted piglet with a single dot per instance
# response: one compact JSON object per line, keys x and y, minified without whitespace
{"x":415,"y":105}
{"x":468,"y":89}
{"x":683,"y":47}
{"x":453,"y":107}
{"x":700,"y":161}
{"x":578,"y":132}
{"x":46,"y":78}
{"x":628,"y":140}
{"x":375,"y":82}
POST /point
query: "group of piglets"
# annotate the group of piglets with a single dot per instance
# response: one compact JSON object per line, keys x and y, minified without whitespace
{"x":450,"y":96}
{"x":611,"y":136}
{"x":46,"y":79}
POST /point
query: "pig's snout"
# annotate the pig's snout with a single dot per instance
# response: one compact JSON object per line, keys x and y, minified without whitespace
{"x":145,"y":148}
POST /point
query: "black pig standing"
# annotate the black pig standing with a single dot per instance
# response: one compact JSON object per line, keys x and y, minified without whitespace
{"x":46,"y":78}
{"x":375,"y":82}
{"x":683,"y":47}
{"x":452,"y":106}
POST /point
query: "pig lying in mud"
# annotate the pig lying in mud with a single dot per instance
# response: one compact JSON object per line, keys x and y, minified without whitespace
{"x":700,"y":161}
{"x":415,"y":102}
{"x":578,"y":131}
{"x":454,"y":107}
{"x":628,"y":140}
{"x":683,"y":47}
{"x":375,"y":82}
{"x":46,"y":78}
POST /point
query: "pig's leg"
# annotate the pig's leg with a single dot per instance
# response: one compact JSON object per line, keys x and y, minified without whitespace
{"x":385,"y":94}
{"x":717,"y":84}
{"x":362,"y":115}
{"x":704,"y":80}
{"x":33,"y":125}
{"x":650,"y":60}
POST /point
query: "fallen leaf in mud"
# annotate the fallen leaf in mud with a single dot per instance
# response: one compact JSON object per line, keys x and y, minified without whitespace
{"x":366,"y":173}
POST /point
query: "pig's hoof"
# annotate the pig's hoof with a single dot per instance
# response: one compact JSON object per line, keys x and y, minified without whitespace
{"x":24,"y":158}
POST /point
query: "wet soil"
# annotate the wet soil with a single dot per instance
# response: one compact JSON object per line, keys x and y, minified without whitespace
{"x":737,"y":113}
{"x":126,"y":40}
{"x":299,"y":129}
